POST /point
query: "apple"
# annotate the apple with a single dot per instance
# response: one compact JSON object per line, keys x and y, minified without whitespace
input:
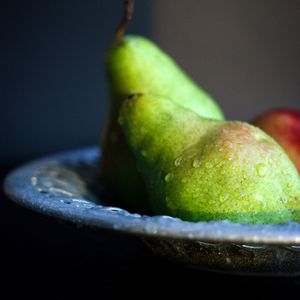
{"x":283,"y":124}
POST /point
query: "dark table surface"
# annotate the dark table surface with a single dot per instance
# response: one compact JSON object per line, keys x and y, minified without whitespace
{"x":43,"y":258}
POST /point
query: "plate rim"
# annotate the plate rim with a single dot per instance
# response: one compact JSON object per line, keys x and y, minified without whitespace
{"x":18,"y":188}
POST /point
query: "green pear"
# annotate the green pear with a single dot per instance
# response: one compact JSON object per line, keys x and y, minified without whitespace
{"x":137,"y":65}
{"x":202,"y":169}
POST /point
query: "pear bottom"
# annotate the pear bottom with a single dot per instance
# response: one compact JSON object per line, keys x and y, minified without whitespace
{"x":119,"y":172}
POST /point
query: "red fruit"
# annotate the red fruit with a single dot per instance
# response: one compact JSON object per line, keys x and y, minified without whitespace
{"x":284,"y":126}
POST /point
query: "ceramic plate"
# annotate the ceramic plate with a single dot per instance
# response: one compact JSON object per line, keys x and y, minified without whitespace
{"x":68,"y":186}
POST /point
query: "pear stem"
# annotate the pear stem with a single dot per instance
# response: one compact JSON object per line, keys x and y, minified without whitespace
{"x":127,"y":16}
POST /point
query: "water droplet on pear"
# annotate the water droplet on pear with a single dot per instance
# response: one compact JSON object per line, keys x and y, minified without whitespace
{"x":196,"y":163}
{"x":261,"y":170}
{"x":178,"y":161}
{"x":168,"y":177}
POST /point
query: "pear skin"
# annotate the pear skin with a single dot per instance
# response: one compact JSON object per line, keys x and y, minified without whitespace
{"x":137,"y":65}
{"x":201,"y":169}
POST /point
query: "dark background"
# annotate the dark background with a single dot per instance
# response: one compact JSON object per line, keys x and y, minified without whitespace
{"x":53,"y":97}
{"x":245,"y":53}
{"x":53,"y":91}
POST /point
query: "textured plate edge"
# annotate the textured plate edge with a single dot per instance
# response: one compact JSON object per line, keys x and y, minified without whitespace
{"x":150,"y":226}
